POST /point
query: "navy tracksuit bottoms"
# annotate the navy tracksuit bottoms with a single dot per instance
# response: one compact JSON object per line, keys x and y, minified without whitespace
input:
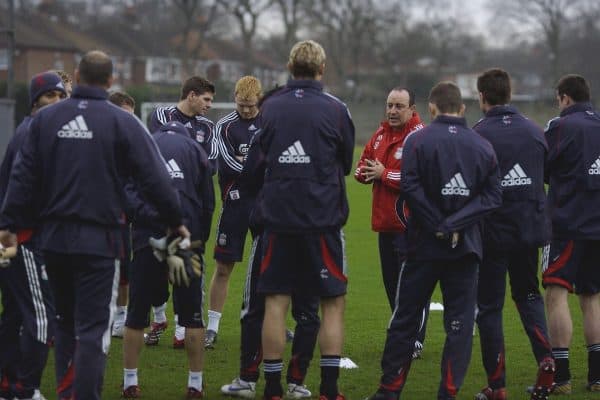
{"x":458,"y":283}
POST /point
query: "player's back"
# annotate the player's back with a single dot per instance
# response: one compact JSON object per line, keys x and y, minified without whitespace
{"x":308,"y":139}
{"x":521,"y":151}
{"x":574,"y":172}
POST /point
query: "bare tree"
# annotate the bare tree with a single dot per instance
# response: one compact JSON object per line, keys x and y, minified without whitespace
{"x":546,"y":17}
{"x":197,"y":18}
{"x":246,"y":13}
{"x":291,"y":15}
{"x":349,"y":29}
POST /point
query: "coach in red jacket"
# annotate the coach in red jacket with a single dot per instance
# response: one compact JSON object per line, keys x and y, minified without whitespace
{"x":380,"y":165}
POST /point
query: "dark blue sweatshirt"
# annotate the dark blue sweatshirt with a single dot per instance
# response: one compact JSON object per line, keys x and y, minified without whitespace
{"x":450,"y":179}
{"x":521,"y":150}
{"x":74,"y":163}
{"x":306,"y":145}
{"x":573,"y":172}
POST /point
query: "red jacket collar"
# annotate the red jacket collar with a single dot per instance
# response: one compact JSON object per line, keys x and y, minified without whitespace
{"x":410,"y":126}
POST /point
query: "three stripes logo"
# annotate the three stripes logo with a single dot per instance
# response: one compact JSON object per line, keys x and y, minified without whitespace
{"x":515,"y":177}
{"x":75,"y":129}
{"x":456,"y":186}
{"x":294,"y":154}
{"x":595,"y":168}
{"x":174,"y":169}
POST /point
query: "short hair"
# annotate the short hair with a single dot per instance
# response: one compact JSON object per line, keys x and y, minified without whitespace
{"x":494,"y":85}
{"x":411,"y":94}
{"x":95,"y":68}
{"x":64,"y":76}
{"x":306,"y":59}
{"x":197,"y":85}
{"x":247,"y":87}
{"x":121,"y":98}
{"x":446,"y":96}
{"x":574,"y":86}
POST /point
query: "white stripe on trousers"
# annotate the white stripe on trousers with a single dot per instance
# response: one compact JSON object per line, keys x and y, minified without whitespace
{"x":248,"y":284}
{"x":33,"y":279}
{"x":112,"y":307}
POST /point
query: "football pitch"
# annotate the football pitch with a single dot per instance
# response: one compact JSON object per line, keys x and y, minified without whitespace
{"x":163,"y":370}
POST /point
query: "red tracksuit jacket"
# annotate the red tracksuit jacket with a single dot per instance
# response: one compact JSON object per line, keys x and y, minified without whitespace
{"x":386,"y":146}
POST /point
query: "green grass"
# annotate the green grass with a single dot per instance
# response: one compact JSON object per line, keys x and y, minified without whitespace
{"x":163,"y":371}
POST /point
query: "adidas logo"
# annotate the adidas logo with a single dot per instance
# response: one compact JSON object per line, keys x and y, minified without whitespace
{"x":174,"y":169}
{"x":516,"y":177}
{"x":595,"y":168}
{"x":76,"y":129}
{"x":456,"y":186}
{"x":252,"y":128}
{"x":294,"y":155}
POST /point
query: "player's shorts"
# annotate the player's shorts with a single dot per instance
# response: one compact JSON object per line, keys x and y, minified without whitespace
{"x":308,"y":263}
{"x":188,"y":303}
{"x":572,"y":264}
{"x":148,"y":286}
{"x":232,"y":229}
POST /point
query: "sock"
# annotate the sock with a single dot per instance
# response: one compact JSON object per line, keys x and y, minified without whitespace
{"x":159,"y":313}
{"x":213,"y":320}
{"x":179,"y":330}
{"x":272,"y":369}
{"x":195,"y":380}
{"x":121,"y":314}
{"x":561,"y":359}
{"x":130,"y":377}
{"x":594,"y":363}
{"x":330,"y":372}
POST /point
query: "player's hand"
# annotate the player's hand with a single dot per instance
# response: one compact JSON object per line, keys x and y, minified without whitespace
{"x":6,"y":253}
{"x":184,"y":264}
{"x":8,"y":239}
{"x":373,"y":170}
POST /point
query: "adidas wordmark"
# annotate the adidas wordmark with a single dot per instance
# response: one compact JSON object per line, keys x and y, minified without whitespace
{"x":516,"y":177}
{"x":75,"y":129}
{"x":174,"y":169}
{"x":294,"y":155}
{"x":456,"y":186}
{"x":595,"y":168}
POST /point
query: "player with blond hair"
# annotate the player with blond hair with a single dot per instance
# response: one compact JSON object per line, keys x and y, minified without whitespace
{"x":305,"y":148}
{"x":233,"y":134}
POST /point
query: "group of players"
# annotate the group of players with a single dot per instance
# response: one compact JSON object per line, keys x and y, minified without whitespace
{"x":92,"y":203}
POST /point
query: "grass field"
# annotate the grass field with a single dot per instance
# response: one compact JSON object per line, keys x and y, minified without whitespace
{"x":163,"y":370}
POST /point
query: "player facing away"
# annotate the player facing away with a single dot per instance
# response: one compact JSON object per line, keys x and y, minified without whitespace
{"x":305,"y":310}
{"x":127,"y":103}
{"x":512,"y":236}
{"x":571,"y":260}
{"x":307,"y":140}
{"x":379,"y":165}
{"x":451,"y":181}
{"x":71,"y":167}
{"x":190,"y":171}
{"x":28,"y":320}
{"x":196,"y":99}
{"x":233,"y":134}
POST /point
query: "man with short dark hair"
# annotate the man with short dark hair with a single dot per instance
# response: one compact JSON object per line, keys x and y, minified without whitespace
{"x":307,"y":139}
{"x":123,"y":100}
{"x":27,"y":322}
{"x":451,"y":181}
{"x":196,"y":99}
{"x":69,"y":179}
{"x":512,"y":236}
{"x":571,"y":260}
